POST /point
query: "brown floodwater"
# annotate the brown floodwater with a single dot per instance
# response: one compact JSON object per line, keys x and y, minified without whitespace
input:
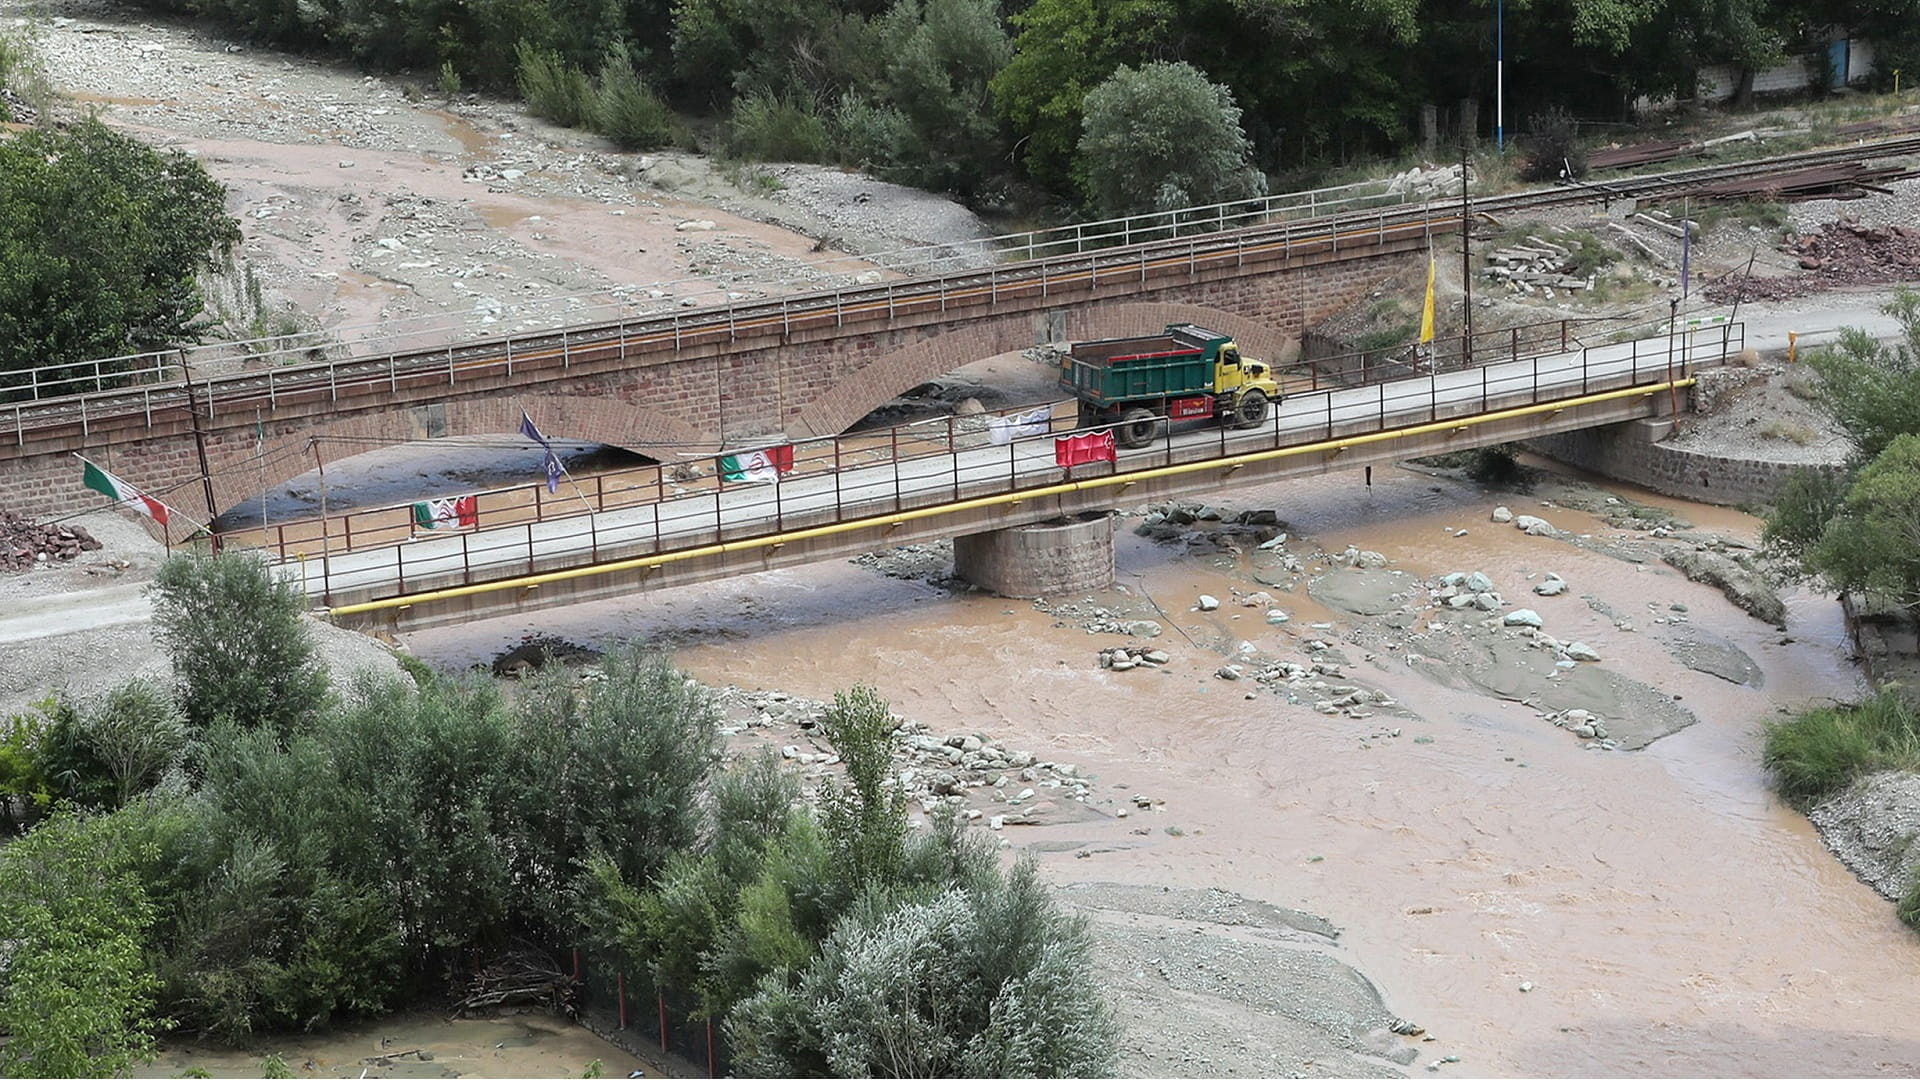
{"x":1541,"y":908}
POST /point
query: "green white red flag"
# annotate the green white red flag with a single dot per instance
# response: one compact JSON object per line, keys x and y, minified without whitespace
{"x":460,"y":513}
{"x":104,"y":482}
{"x":757,"y":466}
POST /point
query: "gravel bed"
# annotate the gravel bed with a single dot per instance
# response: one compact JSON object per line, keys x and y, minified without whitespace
{"x":1872,"y":828}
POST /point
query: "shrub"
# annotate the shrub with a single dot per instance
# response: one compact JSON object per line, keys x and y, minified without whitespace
{"x":1495,"y":466}
{"x":239,"y":644}
{"x":1821,"y":751}
{"x":625,"y":108}
{"x":1553,"y":148}
{"x":1909,"y":908}
{"x":986,"y":978}
{"x":553,"y":88}
{"x":137,"y":733}
{"x":76,"y":990}
{"x":765,"y":127}
{"x":449,"y":79}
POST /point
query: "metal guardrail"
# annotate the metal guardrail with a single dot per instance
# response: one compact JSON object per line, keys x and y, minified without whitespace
{"x":909,"y":467}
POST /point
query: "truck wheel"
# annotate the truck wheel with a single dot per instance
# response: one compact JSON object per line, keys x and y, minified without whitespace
{"x":1136,"y":428}
{"x":1250,"y":410}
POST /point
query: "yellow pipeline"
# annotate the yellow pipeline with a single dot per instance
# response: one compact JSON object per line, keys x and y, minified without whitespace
{"x":1128,"y":479}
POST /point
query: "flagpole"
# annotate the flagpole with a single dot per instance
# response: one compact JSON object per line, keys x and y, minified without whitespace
{"x":165,"y":532}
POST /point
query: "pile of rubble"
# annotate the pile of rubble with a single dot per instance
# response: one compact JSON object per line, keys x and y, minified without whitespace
{"x":1013,"y":787}
{"x":1842,"y":253}
{"x":1537,"y":266}
{"x":23,"y":543}
{"x":1126,"y":658}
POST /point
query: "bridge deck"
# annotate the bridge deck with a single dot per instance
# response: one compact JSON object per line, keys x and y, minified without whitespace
{"x":868,"y":497}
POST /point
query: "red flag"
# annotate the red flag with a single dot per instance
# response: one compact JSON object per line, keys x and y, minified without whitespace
{"x":1071,"y":450}
{"x":781,"y":456}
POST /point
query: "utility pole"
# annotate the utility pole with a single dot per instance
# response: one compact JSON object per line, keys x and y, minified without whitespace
{"x":1466,"y":254}
{"x":200,"y":446}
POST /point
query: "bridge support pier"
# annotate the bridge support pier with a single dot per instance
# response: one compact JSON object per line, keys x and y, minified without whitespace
{"x":1065,"y":555}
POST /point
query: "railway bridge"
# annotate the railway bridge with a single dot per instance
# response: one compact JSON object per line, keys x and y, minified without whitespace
{"x":795,"y":367}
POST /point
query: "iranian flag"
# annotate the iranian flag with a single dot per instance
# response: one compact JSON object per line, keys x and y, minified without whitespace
{"x":758,"y":466}
{"x":104,"y":482}
{"x":460,"y":513}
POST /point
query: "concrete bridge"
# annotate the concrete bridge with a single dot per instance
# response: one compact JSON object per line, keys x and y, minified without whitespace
{"x":1024,"y":525}
{"x":800,"y":366}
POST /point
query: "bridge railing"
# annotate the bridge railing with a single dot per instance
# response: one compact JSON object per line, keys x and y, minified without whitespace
{"x":657,"y":510}
{"x":628,"y":302}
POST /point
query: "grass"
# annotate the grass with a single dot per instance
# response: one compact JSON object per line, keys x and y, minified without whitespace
{"x":1770,"y":217}
{"x":1820,"y":752}
{"x":1803,"y":383}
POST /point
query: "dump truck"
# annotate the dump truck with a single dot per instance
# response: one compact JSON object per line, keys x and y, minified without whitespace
{"x":1137,"y":385}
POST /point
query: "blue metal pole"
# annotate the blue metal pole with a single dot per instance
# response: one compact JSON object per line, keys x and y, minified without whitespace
{"x":1499,"y":75}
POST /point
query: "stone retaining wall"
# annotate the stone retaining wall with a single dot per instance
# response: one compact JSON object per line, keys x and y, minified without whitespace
{"x":1632,"y":452}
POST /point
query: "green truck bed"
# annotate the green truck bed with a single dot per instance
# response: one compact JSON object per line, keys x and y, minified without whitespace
{"x":1126,"y":369}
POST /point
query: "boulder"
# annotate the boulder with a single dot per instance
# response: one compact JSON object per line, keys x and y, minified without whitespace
{"x":1522,"y":617}
{"x":1502,"y":515}
{"x":1208,"y":603}
{"x":1533,"y":526}
{"x":1554,"y":585}
{"x":1580,"y":650}
{"x":1479,"y":582}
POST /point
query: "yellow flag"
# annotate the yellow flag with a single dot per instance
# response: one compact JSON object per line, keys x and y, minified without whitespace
{"x":1426,"y":313}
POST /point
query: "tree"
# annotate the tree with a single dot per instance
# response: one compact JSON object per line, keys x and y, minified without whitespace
{"x":940,"y":56}
{"x":76,"y":991}
{"x":1160,"y":138}
{"x":1872,"y":390}
{"x":1064,"y":49}
{"x":1873,"y":544}
{"x":625,"y":108}
{"x":101,"y":239}
{"x":240,"y":648}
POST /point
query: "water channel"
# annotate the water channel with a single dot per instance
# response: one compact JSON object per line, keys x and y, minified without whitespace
{"x":1540,"y":906}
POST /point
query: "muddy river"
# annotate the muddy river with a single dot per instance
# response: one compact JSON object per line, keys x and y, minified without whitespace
{"x":1539,"y":904}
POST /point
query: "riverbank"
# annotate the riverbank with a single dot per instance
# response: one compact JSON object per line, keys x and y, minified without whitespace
{"x":1465,"y":842}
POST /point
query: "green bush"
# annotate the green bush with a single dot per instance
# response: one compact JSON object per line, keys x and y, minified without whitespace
{"x":553,"y":88}
{"x":766,"y":127}
{"x":239,"y":644}
{"x":76,"y":988}
{"x":1821,"y":751}
{"x":625,"y":108}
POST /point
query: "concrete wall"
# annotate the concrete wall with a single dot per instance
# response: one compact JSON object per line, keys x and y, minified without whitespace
{"x":1053,"y":558}
{"x":1632,"y":452}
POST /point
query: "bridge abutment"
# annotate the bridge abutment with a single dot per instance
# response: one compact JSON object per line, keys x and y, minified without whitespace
{"x":1065,"y":555}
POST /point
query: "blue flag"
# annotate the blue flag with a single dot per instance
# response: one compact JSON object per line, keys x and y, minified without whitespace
{"x":553,"y":472}
{"x":531,"y":432}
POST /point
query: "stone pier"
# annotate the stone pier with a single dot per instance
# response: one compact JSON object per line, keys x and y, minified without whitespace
{"x":1052,"y":558}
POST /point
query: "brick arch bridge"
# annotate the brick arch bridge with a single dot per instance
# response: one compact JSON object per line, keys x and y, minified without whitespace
{"x":660,"y":391}
{"x":241,"y":472}
{"x":886,"y":377}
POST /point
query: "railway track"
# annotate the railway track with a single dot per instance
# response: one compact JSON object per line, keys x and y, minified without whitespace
{"x":226,"y":393}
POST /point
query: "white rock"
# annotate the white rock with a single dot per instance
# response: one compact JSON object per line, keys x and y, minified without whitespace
{"x":1208,"y":603}
{"x":1522,"y":617}
{"x":1580,"y":650}
{"x":1478,"y":582}
{"x":1533,"y":526}
{"x":690,"y":226}
{"x":1553,"y":586}
{"x":1502,"y":515}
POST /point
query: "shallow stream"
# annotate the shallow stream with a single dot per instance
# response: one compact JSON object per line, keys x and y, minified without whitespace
{"x":1541,"y":906}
